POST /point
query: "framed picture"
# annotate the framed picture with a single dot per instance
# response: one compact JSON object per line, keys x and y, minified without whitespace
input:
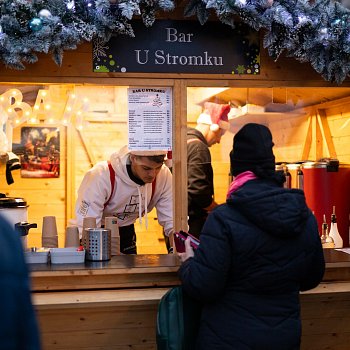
{"x":39,"y":152}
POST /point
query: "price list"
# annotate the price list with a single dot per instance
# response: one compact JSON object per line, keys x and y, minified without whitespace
{"x":150,"y":118}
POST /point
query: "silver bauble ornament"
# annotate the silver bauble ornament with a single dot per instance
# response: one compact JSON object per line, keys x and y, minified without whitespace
{"x":44,"y":13}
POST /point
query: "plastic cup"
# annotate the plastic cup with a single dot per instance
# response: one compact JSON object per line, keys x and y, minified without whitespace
{"x":111,"y":222}
{"x":89,"y":222}
{"x":72,"y":237}
{"x":49,"y":228}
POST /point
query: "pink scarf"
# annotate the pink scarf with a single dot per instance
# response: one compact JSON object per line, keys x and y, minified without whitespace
{"x":239,"y":181}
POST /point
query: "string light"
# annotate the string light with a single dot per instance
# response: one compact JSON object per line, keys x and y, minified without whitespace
{"x":12,"y":100}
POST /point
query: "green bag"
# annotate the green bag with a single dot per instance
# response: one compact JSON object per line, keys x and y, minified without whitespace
{"x":178,"y":320}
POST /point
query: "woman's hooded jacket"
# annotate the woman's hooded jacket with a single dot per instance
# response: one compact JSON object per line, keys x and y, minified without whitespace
{"x":257,"y":252}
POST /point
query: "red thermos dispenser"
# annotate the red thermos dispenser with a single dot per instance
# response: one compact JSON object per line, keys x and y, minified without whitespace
{"x":327,"y":184}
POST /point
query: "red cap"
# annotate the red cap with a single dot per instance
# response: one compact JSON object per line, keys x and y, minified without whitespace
{"x":215,"y":115}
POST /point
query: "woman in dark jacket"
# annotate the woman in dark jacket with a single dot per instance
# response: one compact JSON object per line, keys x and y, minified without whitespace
{"x":257,"y":252}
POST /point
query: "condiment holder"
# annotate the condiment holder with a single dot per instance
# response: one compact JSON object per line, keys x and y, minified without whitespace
{"x":97,"y":243}
{"x":67,"y":255}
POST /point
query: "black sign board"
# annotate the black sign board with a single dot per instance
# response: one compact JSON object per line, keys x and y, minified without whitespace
{"x":181,"y":47}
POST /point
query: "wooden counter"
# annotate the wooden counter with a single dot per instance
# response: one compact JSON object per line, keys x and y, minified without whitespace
{"x":112,"y":305}
{"x":131,"y":271}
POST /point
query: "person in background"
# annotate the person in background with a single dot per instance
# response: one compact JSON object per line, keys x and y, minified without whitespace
{"x":130,"y":185}
{"x":211,"y":125}
{"x":18,"y":324}
{"x":257,"y":252}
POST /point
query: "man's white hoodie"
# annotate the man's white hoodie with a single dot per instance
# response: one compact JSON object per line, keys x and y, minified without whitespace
{"x":129,"y":200}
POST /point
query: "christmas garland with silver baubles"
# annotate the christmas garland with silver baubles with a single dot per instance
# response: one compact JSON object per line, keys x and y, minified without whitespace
{"x":314,"y":31}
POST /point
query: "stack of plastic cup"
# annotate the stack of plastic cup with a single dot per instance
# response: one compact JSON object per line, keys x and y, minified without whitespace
{"x":49,"y":238}
{"x":72,"y":237}
{"x":88,"y":222}
{"x":112,"y":224}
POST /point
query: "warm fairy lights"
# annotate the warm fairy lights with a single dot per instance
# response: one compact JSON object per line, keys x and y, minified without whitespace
{"x":14,"y":112}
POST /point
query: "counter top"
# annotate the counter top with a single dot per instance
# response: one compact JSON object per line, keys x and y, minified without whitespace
{"x":337,"y":266}
{"x":130,"y":271}
{"x":120,"y":262}
{"x":125,"y":271}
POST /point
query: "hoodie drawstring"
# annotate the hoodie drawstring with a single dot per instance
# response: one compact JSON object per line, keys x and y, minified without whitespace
{"x":146,"y":196}
{"x":140,"y":205}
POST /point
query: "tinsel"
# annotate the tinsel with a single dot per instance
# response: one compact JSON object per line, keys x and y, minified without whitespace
{"x":314,"y":31}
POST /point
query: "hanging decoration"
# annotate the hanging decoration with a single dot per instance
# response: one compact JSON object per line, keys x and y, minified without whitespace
{"x":314,"y":31}
{"x":15,"y":112}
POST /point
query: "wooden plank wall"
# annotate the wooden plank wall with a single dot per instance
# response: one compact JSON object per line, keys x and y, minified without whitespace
{"x":45,"y":196}
{"x":325,"y":321}
{"x":130,"y":327}
{"x":123,"y":320}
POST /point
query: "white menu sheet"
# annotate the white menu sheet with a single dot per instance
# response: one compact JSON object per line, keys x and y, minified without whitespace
{"x":150,"y":118}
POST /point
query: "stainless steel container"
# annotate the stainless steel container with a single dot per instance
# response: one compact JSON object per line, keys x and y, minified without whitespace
{"x":13,"y":209}
{"x":97,"y":243}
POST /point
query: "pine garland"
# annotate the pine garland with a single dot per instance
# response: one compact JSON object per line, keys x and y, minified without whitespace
{"x":314,"y":31}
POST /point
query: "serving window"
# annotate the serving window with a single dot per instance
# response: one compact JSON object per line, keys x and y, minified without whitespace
{"x":86,"y":123}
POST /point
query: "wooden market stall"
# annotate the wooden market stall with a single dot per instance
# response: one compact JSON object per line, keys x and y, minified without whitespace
{"x":112,"y":305}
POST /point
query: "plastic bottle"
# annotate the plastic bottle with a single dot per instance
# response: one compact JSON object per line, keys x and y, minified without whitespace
{"x":334,"y":233}
{"x":326,"y":240}
{"x":300,"y":179}
{"x":287,"y":174}
{"x":324,"y":230}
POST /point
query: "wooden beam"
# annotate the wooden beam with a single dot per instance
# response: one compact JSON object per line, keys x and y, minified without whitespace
{"x":91,"y":157}
{"x":308,"y":139}
{"x":70,"y":174}
{"x":318,"y":140}
{"x":324,"y":126}
{"x":180,"y":156}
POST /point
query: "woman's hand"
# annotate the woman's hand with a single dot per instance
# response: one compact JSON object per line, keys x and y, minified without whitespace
{"x":189,"y":252}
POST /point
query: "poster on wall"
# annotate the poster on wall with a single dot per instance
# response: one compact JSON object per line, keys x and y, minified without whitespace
{"x":39,"y":152}
{"x":150,"y":118}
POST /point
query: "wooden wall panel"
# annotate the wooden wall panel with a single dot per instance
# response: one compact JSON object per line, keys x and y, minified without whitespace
{"x":326,"y":321}
{"x":339,"y":123}
{"x":45,"y":196}
{"x":120,"y":327}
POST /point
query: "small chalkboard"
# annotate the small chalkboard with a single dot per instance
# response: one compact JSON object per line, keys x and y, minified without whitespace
{"x":180,"y":47}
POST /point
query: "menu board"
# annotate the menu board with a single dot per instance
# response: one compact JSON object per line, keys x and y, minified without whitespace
{"x":150,"y":118}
